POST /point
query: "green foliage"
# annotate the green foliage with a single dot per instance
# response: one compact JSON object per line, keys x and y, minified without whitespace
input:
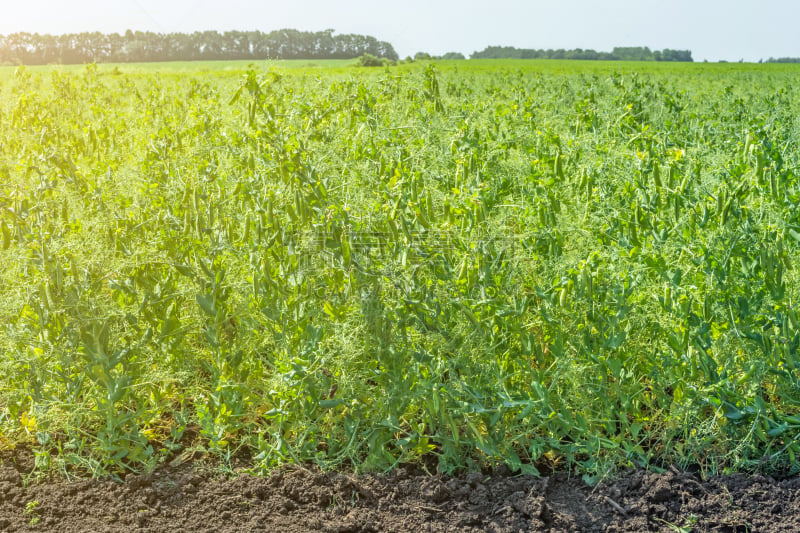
{"x":95,"y":47}
{"x":369,"y":60}
{"x":619,"y":53}
{"x":783,"y":60}
{"x":578,"y":268}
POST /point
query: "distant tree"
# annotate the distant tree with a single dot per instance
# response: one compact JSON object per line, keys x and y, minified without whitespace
{"x":636,"y":53}
{"x":369,"y":60}
{"x":783,"y":60}
{"x":422,"y":56}
{"x":97,"y":47}
{"x":632,"y":53}
{"x":453,"y":55}
{"x":498,"y":52}
{"x":590,"y":55}
{"x":676,"y":55}
{"x":581,"y":54}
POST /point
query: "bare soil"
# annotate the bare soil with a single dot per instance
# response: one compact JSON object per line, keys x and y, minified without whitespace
{"x":295,"y":499}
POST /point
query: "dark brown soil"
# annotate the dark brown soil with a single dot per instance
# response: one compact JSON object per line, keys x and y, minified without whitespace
{"x":295,"y":499}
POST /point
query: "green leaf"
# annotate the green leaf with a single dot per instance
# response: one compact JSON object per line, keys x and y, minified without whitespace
{"x":184,"y":270}
{"x":776,"y":431}
{"x":207,"y":304}
{"x":732,"y":413}
{"x":236,"y":95}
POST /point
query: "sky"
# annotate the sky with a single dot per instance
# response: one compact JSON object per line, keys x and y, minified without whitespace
{"x":712,"y":29}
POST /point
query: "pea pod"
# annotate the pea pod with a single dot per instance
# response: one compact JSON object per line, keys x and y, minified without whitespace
{"x":588,"y":284}
{"x":558,"y":166}
{"x":429,"y":206}
{"x":345,"y":243}
{"x":657,"y":175}
{"x":420,"y":214}
{"x":247,"y":223}
{"x":186,"y":223}
{"x":6,"y":235}
{"x":462,"y":270}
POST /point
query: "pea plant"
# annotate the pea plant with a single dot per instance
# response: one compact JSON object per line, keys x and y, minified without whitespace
{"x":544,"y":267}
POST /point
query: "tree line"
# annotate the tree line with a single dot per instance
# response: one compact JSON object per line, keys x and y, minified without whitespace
{"x":136,"y":46}
{"x":619,"y":53}
{"x":783,"y":60}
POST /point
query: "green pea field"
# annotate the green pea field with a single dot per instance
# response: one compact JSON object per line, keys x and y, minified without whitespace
{"x":581,"y":266}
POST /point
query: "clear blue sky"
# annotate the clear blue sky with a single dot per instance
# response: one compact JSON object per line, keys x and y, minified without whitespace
{"x":712,"y":29}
